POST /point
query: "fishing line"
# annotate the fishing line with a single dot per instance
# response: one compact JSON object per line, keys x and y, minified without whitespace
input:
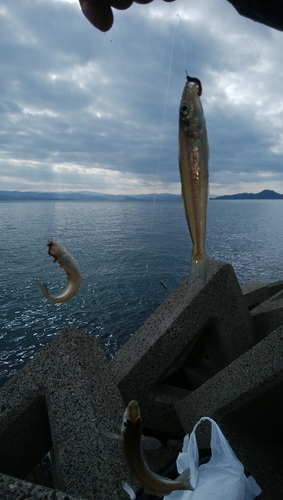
{"x":184,"y":47}
{"x":161,"y":143}
{"x":58,"y":166}
{"x":67,"y":108}
{"x":189,"y":78}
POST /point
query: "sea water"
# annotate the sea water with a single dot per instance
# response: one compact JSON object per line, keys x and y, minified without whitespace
{"x":124,"y":249}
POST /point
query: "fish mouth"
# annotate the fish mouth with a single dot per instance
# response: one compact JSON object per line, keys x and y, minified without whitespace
{"x":198,"y":83}
{"x":133,"y":411}
{"x":49,"y":244}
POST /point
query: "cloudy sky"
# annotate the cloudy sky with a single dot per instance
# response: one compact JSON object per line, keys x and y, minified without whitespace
{"x":84,"y":110}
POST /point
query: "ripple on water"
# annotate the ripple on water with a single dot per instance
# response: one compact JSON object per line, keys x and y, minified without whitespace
{"x":124,"y":249}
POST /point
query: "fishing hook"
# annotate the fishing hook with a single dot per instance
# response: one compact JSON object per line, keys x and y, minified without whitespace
{"x":197,"y":81}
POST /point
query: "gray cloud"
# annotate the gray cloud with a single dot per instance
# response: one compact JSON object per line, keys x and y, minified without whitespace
{"x":85,"y":110}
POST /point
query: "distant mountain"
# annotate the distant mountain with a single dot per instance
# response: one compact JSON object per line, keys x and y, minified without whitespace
{"x":94,"y":196}
{"x":266,"y":194}
{"x":81,"y":196}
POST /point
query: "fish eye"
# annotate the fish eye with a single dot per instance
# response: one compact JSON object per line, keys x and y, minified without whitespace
{"x":184,"y":109}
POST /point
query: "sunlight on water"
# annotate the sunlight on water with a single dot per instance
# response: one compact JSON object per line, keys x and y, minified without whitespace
{"x":122,"y":263}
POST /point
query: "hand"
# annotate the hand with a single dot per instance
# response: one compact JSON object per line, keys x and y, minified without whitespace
{"x":269,"y":12}
{"x":99,"y":12}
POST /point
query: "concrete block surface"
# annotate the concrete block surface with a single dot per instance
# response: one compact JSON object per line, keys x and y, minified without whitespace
{"x":275,"y":287}
{"x":246,"y":399}
{"x":62,"y":399}
{"x":268,"y":316}
{"x":253,"y":382}
{"x":14,"y":489}
{"x":195,"y":333}
{"x":255,"y":292}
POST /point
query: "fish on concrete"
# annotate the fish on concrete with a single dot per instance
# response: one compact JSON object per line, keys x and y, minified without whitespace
{"x":72,"y":269}
{"x":131,"y":438}
{"x":193,"y":164}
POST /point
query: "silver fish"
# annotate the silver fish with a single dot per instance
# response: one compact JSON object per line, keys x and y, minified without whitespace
{"x":131,"y":437}
{"x":72,"y":269}
{"x":193,"y":163}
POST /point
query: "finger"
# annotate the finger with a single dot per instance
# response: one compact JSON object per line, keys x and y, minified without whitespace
{"x":121,"y":4}
{"x":143,"y":1}
{"x":98,"y":13}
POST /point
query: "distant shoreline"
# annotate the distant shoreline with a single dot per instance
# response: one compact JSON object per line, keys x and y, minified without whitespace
{"x":92,"y":197}
{"x":82,"y":196}
{"x":266,"y":194}
{"x":94,"y":200}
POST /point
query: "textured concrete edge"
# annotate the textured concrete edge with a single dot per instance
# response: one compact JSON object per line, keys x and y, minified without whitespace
{"x":161,"y":319}
{"x":207,"y":315}
{"x":257,"y":292}
{"x":268,"y":315}
{"x":31,"y":381}
{"x":183,"y":311}
{"x":73,"y":377}
{"x":256,"y":371}
{"x":16,"y":489}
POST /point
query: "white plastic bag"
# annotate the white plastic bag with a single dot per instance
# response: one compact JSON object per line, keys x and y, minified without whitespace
{"x":222,"y":478}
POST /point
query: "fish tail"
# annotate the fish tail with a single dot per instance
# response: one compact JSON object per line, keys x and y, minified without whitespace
{"x":185,"y":479}
{"x":43,"y":288}
{"x":198,"y":268}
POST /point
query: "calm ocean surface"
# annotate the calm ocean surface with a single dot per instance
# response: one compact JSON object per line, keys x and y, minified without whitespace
{"x":124,"y":249}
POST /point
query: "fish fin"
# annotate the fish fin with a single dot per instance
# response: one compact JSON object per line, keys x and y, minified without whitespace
{"x":111,"y":435}
{"x":150,"y":443}
{"x":42,"y":287}
{"x":185,"y":479}
{"x":198,"y":269}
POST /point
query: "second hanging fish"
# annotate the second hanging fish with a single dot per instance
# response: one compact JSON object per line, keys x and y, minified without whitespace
{"x":193,"y":163}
